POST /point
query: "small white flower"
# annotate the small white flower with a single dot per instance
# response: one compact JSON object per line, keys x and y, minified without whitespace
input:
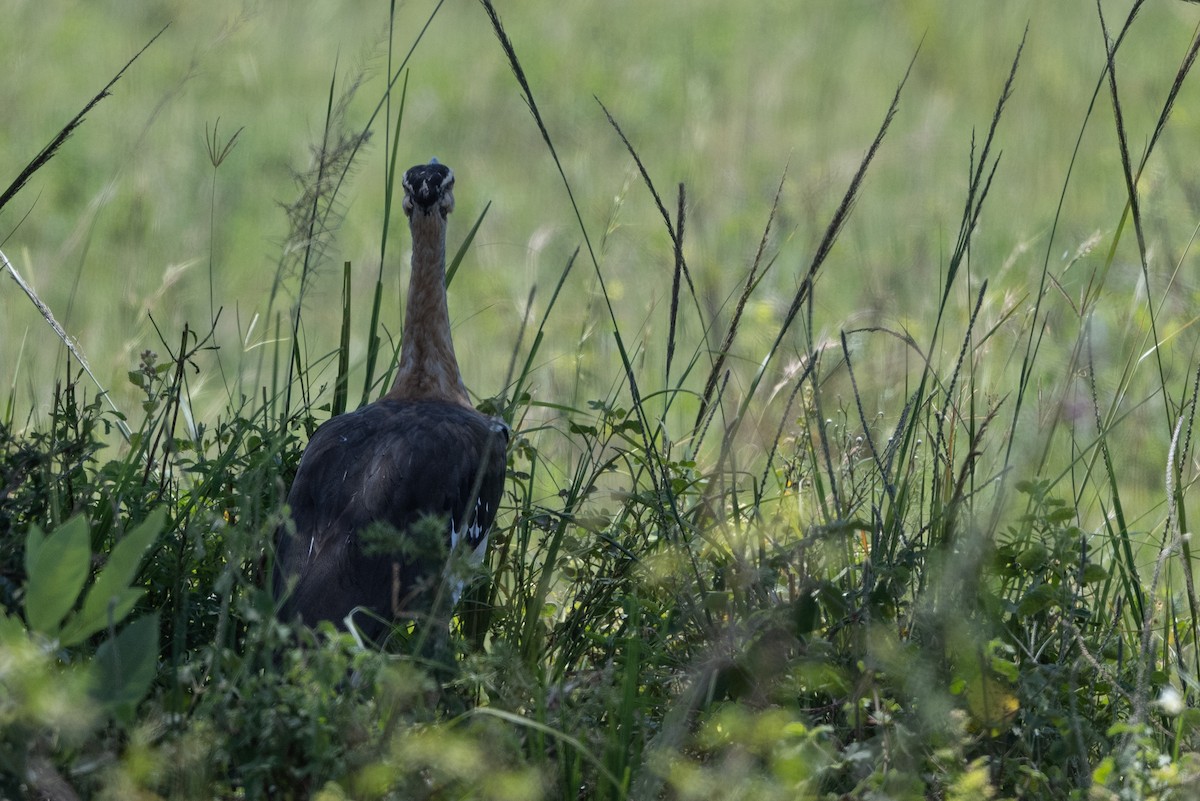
{"x":1170,"y":701}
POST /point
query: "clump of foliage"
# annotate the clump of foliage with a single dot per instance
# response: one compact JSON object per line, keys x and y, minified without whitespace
{"x":697,"y":588}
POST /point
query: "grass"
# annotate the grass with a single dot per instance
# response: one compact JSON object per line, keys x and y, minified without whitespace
{"x":855,"y":464}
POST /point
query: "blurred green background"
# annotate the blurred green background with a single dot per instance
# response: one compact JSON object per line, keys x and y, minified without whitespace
{"x":131,"y":220}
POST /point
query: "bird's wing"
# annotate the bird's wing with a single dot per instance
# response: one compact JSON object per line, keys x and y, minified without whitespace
{"x":433,"y":460}
{"x":390,"y":465}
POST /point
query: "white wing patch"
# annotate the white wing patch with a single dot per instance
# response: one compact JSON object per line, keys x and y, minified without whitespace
{"x":477,"y":536}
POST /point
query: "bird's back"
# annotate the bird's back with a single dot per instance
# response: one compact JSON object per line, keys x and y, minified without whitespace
{"x":381,"y":497}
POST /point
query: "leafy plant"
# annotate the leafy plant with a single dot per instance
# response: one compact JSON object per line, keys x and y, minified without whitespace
{"x":116,"y":677}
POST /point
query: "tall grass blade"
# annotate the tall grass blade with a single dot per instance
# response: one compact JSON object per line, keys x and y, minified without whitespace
{"x":677,"y":273}
{"x":389,"y":187}
{"x":1135,"y":208}
{"x":752,"y":279}
{"x":341,"y":384}
{"x":46,"y":153}
{"x":1037,"y":328}
{"x":452,"y":267}
{"x":840,"y":215}
{"x":66,"y":339}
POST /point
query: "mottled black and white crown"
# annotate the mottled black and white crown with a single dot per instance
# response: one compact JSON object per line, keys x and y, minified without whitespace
{"x":429,"y":187}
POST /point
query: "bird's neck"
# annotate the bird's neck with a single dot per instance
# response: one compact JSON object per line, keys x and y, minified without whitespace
{"x":428,"y":369}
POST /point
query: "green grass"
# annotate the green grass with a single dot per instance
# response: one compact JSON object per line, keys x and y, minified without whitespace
{"x":844,"y":463}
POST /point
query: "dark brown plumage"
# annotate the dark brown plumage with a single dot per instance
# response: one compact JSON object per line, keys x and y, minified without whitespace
{"x":368,"y":479}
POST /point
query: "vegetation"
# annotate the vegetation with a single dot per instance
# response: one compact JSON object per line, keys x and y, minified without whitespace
{"x":757,"y":542}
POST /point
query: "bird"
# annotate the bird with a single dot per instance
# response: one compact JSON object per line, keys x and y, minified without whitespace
{"x":387,"y":496}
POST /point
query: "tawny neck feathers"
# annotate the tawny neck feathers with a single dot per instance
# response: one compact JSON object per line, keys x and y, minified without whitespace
{"x":428,"y":368}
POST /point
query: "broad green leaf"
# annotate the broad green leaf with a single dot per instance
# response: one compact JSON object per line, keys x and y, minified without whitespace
{"x":1061,"y":515}
{"x":34,"y":540}
{"x":1034,"y":556}
{"x":1103,"y":771}
{"x":1006,"y":669}
{"x":1037,"y":599}
{"x":56,"y":574}
{"x":125,"y":665}
{"x":110,"y":599}
{"x":12,"y":630}
{"x":87,"y":622}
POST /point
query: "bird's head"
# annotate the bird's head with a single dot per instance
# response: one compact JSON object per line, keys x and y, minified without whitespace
{"x":429,"y":188}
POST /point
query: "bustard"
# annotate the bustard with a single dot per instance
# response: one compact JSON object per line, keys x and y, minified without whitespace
{"x":420,"y":456}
